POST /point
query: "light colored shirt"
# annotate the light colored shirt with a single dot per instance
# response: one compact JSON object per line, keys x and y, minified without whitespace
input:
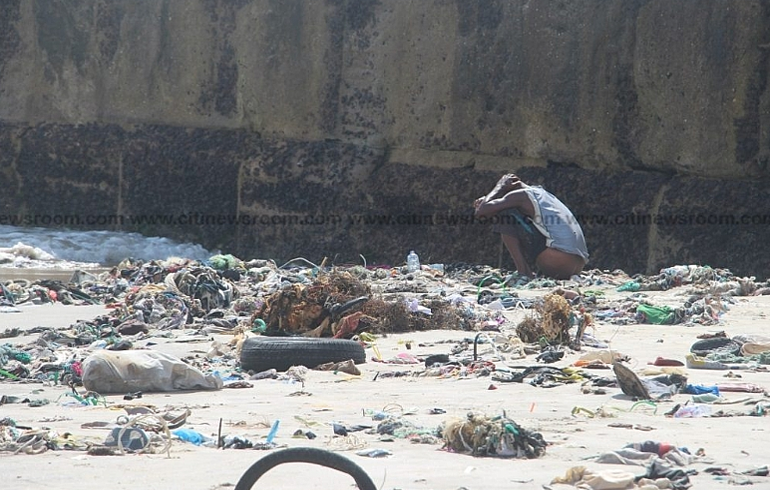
{"x":557,"y":223}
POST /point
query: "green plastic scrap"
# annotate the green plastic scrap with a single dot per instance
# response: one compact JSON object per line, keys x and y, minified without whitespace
{"x":576,"y":410}
{"x":629,"y":286}
{"x":728,"y":358}
{"x":223,"y":262}
{"x":510,"y":428}
{"x":657,"y":315}
{"x":642,"y":403}
{"x":7,"y":351}
{"x":706,"y":398}
{"x":495,"y":278}
{"x":259,"y":326}
{"x":22,"y":357}
{"x":75,"y":396}
{"x":90,"y":399}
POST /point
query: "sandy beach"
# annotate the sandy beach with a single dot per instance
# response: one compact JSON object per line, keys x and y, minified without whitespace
{"x":732,"y":443}
{"x":236,"y":230}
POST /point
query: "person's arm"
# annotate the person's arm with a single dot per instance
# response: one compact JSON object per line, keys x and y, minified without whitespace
{"x":517,"y":199}
{"x":507,"y":183}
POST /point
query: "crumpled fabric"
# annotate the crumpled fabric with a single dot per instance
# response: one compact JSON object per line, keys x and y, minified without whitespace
{"x":760,"y":358}
{"x":658,"y":315}
{"x":659,"y":468}
{"x":142,"y":370}
{"x":582,"y":477}
{"x":629,"y":456}
{"x":666,"y":385}
{"x":701,"y":389}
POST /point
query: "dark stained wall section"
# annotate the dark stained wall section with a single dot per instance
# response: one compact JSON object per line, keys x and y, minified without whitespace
{"x":288,"y":127}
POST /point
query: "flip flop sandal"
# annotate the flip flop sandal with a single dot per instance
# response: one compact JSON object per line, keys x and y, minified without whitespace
{"x":176,"y":421}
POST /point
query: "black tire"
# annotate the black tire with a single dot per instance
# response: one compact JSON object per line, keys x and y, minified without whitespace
{"x":280,"y":353}
{"x":310,"y":455}
{"x":717,"y":345}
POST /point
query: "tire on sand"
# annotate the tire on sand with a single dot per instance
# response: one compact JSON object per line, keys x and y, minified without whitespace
{"x":716,"y":345}
{"x":310,"y":455}
{"x":280,"y":353}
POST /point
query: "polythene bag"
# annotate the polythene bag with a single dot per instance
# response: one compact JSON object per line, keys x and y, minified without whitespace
{"x":127,"y":371}
{"x":658,"y":315}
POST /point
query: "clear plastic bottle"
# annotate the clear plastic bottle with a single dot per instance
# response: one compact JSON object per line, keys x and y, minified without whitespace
{"x":412,"y":262}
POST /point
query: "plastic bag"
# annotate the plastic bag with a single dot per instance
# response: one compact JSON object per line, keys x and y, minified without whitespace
{"x":142,"y":370}
{"x":658,"y":315}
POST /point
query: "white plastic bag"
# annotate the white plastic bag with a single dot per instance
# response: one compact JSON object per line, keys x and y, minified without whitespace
{"x":127,"y":371}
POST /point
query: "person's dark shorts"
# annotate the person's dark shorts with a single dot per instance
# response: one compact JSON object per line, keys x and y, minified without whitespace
{"x":515,"y":224}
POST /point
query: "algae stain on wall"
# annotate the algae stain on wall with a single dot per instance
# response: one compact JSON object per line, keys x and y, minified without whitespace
{"x":679,"y":88}
{"x":292,"y":106}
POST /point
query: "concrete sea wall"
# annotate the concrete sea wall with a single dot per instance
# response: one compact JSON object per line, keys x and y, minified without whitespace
{"x":346,"y":113}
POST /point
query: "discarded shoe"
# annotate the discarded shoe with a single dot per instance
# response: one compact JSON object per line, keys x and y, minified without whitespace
{"x":662,"y":361}
{"x":436,"y":359}
{"x":174,"y":421}
{"x":629,"y":382}
{"x":128,"y":438}
{"x":348,"y":367}
{"x":301,"y":433}
{"x":696,"y":362}
{"x":550,"y":356}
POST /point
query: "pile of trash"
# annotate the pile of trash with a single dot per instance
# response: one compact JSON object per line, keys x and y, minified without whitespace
{"x":142,"y":429}
{"x":700,"y":279}
{"x":179,"y":297}
{"x":551,"y":322}
{"x":258,"y":304}
{"x":479,"y":435}
{"x":226,"y":295}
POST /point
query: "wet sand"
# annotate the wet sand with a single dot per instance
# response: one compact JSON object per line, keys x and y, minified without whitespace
{"x":737,"y":443}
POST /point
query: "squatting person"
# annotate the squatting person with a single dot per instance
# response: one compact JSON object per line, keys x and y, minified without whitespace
{"x":538,"y":230}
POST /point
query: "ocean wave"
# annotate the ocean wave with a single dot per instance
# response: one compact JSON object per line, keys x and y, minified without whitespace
{"x":60,"y":248}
